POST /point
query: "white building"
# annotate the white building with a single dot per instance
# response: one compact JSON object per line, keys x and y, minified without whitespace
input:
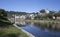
{"x":31,"y":16}
{"x":22,"y":17}
{"x":46,"y":11}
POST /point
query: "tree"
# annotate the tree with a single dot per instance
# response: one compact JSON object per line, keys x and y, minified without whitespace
{"x":51,"y":12}
{"x":42,"y":11}
{"x":3,"y":13}
{"x":50,"y":16}
{"x":57,"y":14}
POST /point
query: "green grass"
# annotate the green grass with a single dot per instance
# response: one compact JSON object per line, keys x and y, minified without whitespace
{"x":8,"y":30}
{"x":11,"y":31}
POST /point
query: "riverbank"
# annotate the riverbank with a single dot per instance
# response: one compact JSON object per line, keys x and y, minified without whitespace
{"x":11,"y":31}
{"x":29,"y":34}
{"x":8,"y":30}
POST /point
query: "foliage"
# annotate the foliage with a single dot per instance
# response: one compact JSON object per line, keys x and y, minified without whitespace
{"x":37,"y":17}
{"x":57,"y":14}
{"x":3,"y":14}
{"x":40,"y":17}
{"x":50,"y":16}
{"x":52,"y":12}
{"x":42,"y":11}
{"x":2,"y":11}
{"x":13,"y":12}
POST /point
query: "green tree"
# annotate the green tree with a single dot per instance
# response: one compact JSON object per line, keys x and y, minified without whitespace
{"x":50,"y":16}
{"x":3,"y":14}
{"x":42,"y":11}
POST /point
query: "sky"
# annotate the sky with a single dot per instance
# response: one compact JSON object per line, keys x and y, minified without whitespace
{"x":29,"y":5}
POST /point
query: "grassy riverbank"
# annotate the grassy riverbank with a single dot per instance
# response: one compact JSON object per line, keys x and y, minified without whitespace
{"x":11,"y":31}
{"x":8,"y":30}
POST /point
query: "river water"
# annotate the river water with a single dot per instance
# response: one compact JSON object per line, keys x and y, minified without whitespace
{"x":39,"y":30}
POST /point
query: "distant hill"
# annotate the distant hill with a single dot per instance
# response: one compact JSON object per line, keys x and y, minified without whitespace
{"x":20,"y":13}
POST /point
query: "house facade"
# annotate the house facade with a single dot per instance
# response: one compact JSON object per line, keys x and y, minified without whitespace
{"x":15,"y":16}
{"x":30,"y":16}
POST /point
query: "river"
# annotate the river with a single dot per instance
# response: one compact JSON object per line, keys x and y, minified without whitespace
{"x":39,"y":30}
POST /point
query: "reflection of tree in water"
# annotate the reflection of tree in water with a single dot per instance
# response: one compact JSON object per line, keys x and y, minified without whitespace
{"x":52,"y":26}
{"x":27,"y":23}
{"x":44,"y":25}
{"x":40,"y":25}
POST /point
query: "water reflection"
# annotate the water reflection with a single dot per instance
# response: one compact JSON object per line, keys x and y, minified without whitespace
{"x":49,"y":26}
{"x":52,"y":26}
{"x":41,"y":29}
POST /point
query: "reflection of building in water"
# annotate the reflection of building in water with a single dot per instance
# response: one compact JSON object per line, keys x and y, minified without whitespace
{"x":22,"y":22}
{"x":31,"y":24}
{"x":17,"y":23}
